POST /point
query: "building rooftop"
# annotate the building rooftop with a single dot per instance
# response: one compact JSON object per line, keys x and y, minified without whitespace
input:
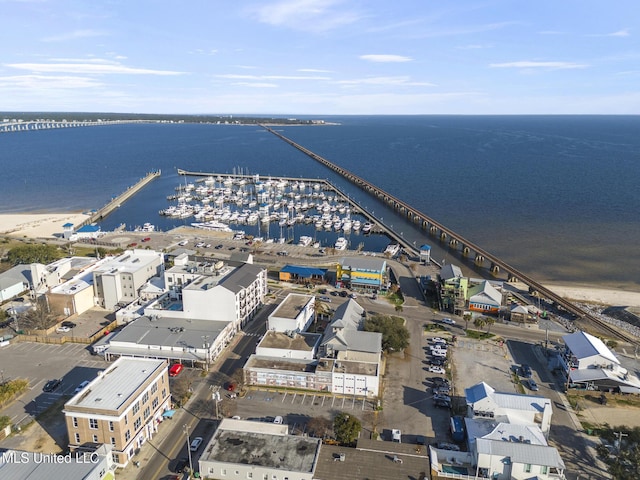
{"x":285,"y":364}
{"x":583,"y":345}
{"x":113,"y":388}
{"x":346,"y":366}
{"x":75,"y":285}
{"x":363,"y":264}
{"x":292,"y":305}
{"x":36,"y":466}
{"x":171,"y":337}
{"x":523,"y":453}
{"x":298,"y":341}
{"x":129,"y":261}
{"x":242,"y":277}
{"x":265,"y":445}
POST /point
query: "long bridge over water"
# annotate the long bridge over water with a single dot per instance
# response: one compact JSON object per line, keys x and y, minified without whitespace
{"x":457,"y":242}
{"x":28,"y":125}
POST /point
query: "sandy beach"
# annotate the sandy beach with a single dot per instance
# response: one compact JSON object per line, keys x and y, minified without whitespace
{"x":38,"y":225}
{"x":49,"y":225}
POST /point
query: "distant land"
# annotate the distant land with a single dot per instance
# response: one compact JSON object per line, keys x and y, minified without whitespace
{"x":7,"y":117}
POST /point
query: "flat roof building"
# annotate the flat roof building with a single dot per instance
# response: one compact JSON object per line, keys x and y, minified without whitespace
{"x":243,"y":449}
{"x":122,"y":407}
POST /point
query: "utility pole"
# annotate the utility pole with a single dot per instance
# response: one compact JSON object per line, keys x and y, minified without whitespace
{"x":186,"y":430}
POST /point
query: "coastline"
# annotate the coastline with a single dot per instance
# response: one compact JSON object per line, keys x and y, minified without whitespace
{"x":49,"y":225}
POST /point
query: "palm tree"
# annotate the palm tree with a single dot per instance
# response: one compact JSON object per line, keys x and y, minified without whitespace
{"x":489,"y":321}
{"x":480,"y":322}
{"x":466,"y":317}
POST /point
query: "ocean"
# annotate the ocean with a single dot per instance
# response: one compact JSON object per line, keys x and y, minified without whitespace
{"x":555,"y":196}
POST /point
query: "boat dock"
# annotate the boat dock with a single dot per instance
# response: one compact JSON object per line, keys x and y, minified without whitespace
{"x":456,"y":242}
{"x":120,"y":199}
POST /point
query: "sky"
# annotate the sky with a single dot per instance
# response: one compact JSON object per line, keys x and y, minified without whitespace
{"x":321,"y":57}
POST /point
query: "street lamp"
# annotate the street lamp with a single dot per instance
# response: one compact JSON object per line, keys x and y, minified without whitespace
{"x":186,"y":430}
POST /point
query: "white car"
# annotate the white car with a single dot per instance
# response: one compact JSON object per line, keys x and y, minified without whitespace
{"x":396,"y":435}
{"x":438,"y":340}
{"x":439,"y":353}
{"x":278,"y":420}
{"x":81,"y":386}
{"x":434,"y":369}
{"x":63,"y":329}
{"x":448,"y":321}
{"x":195,"y":444}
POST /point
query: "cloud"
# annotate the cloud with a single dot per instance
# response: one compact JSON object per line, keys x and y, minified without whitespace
{"x":90,"y":67}
{"x":472,"y":47}
{"x":64,"y":37}
{"x":620,"y":33}
{"x":235,"y":76}
{"x":529,"y":64}
{"x":200,"y":51}
{"x":398,"y":81}
{"x":42,"y":82}
{"x":386,"y":58}
{"x":255,"y":85}
{"x":307,"y":15}
{"x":313,"y":70}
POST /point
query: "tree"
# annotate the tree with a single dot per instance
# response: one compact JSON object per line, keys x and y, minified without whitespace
{"x":37,"y":318}
{"x":466,"y":317}
{"x":26,"y":254}
{"x":488,"y":322}
{"x":319,"y":426}
{"x":479,"y":322}
{"x":347,"y":428}
{"x":395,"y":336}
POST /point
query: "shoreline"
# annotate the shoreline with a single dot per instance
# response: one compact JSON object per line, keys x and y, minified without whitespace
{"x":49,"y":225}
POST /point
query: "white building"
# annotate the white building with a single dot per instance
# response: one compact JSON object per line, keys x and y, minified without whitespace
{"x":13,"y":282}
{"x":484,"y":402}
{"x":119,"y":279}
{"x":588,"y":363}
{"x":96,"y":464}
{"x":122,"y":407}
{"x":303,"y":346}
{"x":241,"y":450}
{"x":294,"y":314}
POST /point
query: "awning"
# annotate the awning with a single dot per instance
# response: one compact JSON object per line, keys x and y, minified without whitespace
{"x":168,"y":413}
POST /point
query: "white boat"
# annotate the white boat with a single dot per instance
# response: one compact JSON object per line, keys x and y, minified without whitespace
{"x":356,"y":225}
{"x":341,"y":243}
{"x":392,"y":249}
{"x":305,"y":241}
{"x":366,"y":228}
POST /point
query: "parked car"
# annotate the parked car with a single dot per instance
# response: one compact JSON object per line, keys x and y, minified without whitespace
{"x":438,"y":340}
{"x":440,"y":381}
{"x":175,"y":369}
{"x":218,"y":247}
{"x":438,"y":362}
{"x":439,"y":353}
{"x":442,"y":403}
{"x":447,"y":446}
{"x":448,"y":321}
{"x":278,"y":420}
{"x":421,"y":440}
{"x":396,"y":435}
{"x":533,"y":386}
{"x":80,"y":387}
{"x":444,"y":398}
{"x":146,"y":239}
{"x":525,"y":370}
{"x":324,"y":298}
{"x":68,"y":324}
{"x":442,"y":390}
{"x":63,"y":329}
{"x":353,"y":295}
{"x":51,"y":385}
{"x":195,"y":444}
{"x":434,"y":369}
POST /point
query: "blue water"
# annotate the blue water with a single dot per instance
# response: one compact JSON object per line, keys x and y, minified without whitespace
{"x":555,"y":196}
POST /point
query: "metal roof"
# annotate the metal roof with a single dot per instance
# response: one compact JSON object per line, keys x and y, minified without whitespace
{"x":371,"y":264}
{"x":114,"y":387}
{"x":304,"y":272}
{"x":522,"y":453}
{"x":241,"y":278}
{"x":583,"y":345}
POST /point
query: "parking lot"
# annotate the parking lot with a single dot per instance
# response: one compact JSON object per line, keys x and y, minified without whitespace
{"x":39,"y":363}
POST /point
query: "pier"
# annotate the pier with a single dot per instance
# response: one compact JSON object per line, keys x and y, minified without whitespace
{"x":120,"y":199}
{"x":457,"y":242}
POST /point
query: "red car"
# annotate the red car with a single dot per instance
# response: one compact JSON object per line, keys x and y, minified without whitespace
{"x":146,"y":239}
{"x":231,"y":387}
{"x":175,"y":369}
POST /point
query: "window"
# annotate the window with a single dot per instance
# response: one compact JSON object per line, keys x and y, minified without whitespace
{"x":116,"y":457}
{"x":211,"y":470}
{"x":77,"y":437}
{"x":113,"y":441}
{"x":75,"y":422}
{"x":111,"y":426}
{"x":136,"y":408}
{"x":127,"y":435}
{"x":154,"y":404}
{"x":136,"y":424}
{"x":145,"y":397}
{"x":93,"y":424}
{"x":147,"y":412}
{"x":95,"y":439}
{"x":154,"y":388}
{"x":164,"y":392}
{"x":527,"y":467}
{"x":544,"y":469}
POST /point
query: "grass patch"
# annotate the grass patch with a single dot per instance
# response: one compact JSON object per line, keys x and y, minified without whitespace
{"x":434,"y":327}
{"x":11,"y":390}
{"x":479,"y":335}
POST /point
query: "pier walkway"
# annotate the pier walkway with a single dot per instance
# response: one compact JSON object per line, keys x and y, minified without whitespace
{"x":120,"y":199}
{"x":455,"y":242}
{"x":30,"y":125}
